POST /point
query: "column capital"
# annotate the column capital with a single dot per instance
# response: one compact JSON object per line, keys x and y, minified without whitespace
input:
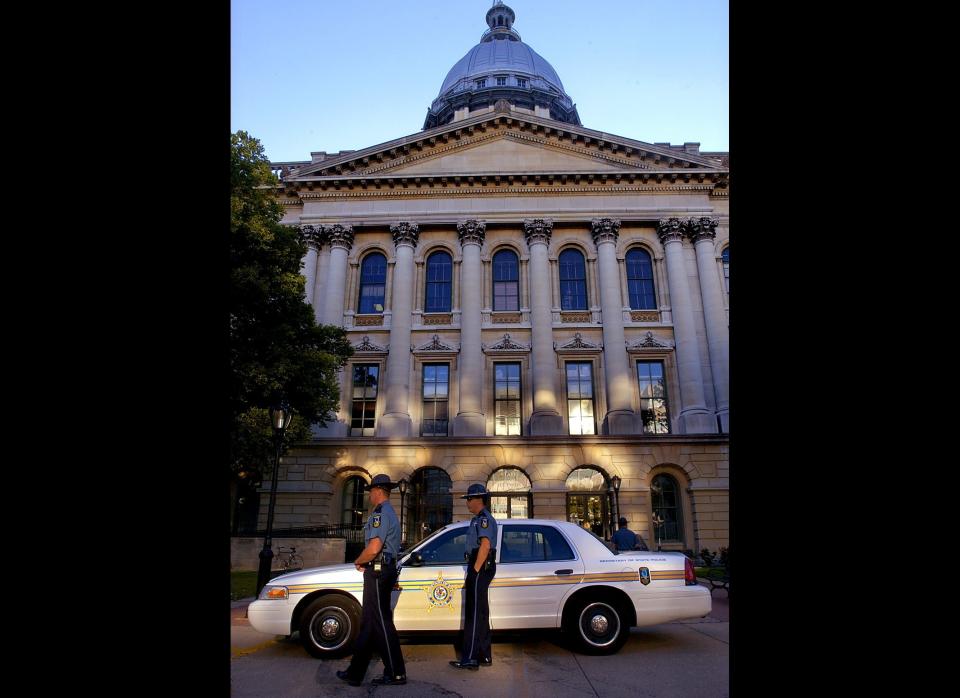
{"x":405,"y":233}
{"x":340,"y":236}
{"x":702,"y":228}
{"x":671,"y":229}
{"x":472,"y":231}
{"x":605,"y":230}
{"x":313,"y":235}
{"x":538,"y":230}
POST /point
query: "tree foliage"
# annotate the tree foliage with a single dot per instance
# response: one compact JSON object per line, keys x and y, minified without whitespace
{"x":276,"y":347}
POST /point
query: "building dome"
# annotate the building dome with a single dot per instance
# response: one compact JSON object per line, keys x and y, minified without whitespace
{"x":500,"y":67}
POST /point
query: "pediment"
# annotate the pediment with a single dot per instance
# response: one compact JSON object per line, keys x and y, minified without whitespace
{"x":507,"y":143}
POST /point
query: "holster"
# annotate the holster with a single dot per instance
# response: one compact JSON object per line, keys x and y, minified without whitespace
{"x":487,"y":564}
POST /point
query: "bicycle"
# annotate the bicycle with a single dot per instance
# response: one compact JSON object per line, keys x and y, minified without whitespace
{"x":292,"y":561}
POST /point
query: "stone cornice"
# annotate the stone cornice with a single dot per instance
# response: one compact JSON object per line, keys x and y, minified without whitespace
{"x":521,"y":441}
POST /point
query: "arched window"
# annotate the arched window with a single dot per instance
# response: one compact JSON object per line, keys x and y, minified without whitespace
{"x":429,"y":504}
{"x":640,"y":280}
{"x":573,"y":281}
{"x":355,"y":501}
{"x":511,"y":498}
{"x":506,"y":281}
{"x":373,"y":283}
{"x":726,"y":268}
{"x":439,"y":288}
{"x":588,"y":500}
{"x":665,"y":502}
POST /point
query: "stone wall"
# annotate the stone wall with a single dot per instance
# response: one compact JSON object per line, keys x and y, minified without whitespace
{"x":245,"y":552}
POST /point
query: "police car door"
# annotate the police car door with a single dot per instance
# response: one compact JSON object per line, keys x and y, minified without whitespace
{"x":431,"y":594}
{"x":535,"y":569}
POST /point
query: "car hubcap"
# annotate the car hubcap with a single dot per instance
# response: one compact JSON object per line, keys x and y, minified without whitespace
{"x":599,"y":624}
{"x":330,"y":628}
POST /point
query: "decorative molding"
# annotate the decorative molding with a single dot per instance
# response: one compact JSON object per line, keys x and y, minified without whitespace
{"x":651,"y":344}
{"x":340,"y":236}
{"x":313,"y":235}
{"x":472,"y":231}
{"x":568,"y":316}
{"x":437,"y":318}
{"x":538,"y":230}
{"x":435,"y":345}
{"x":578,"y":344}
{"x":501,"y":317}
{"x":405,"y":233}
{"x":367,"y":346}
{"x":645,"y":316}
{"x":367,"y":320}
{"x":605,"y":230}
{"x":505,"y":345}
{"x":671,"y":229}
{"x":702,"y":228}
{"x":444,"y":191}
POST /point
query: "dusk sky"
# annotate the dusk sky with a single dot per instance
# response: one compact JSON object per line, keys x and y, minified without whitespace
{"x":311,"y":75}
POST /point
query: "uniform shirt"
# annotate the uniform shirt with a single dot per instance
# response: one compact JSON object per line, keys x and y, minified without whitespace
{"x":481,"y":526}
{"x":625,"y":539}
{"x":385,"y":525}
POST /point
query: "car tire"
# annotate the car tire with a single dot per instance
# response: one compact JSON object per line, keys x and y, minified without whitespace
{"x":596,"y":626}
{"x":329,"y":625}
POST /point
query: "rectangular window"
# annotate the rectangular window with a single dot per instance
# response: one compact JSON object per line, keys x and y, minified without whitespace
{"x":365,"y":378}
{"x":481,"y":84}
{"x":436,"y":396}
{"x":501,"y":82}
{"x":506,"y":395}
{"x":580,"y":397}
{"x":521,"y":82}
{"x":533,"y":544}
{"x":653,"y":397}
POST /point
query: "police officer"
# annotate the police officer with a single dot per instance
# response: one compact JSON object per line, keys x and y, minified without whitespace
{"x":625,"y":539}
{"x":378,"y":562}
{"x":481,"y":568}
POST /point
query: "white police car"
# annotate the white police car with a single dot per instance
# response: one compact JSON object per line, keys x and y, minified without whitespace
{"x":550,"y":574}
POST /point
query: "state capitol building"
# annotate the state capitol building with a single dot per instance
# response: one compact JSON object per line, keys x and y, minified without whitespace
{"x":533,"y":305}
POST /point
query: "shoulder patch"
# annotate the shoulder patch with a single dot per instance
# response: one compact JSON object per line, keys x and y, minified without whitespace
{"x":376,"y":520}
{"x":483,"y":522}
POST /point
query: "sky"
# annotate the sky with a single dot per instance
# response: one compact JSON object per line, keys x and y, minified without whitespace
{"x":327,"y":75}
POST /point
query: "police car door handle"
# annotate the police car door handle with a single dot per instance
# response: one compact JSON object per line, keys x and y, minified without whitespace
{"x":564,"y":572}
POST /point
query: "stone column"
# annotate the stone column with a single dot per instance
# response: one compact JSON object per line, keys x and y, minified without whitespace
{"x":620,"y":419}
{"x":341,"y":240}
{"x":309,"y":235}
{"x":470,"y":420}
{"x":694,"y":416}
{"x":702,"y":232}
{"x":545,"y":418}
{"x":323,"y":268}
{"x":396,"y":417}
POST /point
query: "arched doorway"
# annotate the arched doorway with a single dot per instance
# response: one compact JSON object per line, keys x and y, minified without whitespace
{"x":429,"y":504}
{"x":588,"y":499}
{"x":511,"y":497}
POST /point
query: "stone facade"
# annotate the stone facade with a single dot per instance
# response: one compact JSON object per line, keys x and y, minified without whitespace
{"x":515,"y":180}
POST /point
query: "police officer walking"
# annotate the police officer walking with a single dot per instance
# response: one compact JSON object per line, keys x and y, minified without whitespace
{"x":481,"y":568}
{"x":625,"y":539}
{"x":378,"y":562}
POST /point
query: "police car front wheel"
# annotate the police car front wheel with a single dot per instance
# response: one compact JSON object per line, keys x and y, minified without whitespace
{"x":329,"y":625}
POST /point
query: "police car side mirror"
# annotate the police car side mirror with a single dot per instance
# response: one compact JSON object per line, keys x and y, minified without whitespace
{"x":416,"y":560}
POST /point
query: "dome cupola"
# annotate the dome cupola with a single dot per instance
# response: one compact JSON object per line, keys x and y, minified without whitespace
{"x":501,"y":67}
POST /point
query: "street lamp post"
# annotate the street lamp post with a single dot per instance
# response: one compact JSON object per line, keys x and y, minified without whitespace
{"x":280,"y":415}
{"x":402,"y":486}
{"x":658,"y":522}
{"x":615,"y":481}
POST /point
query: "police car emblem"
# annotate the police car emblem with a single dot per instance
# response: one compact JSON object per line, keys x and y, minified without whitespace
{"x":644,"y":576}
{"x":376,"y":520}
{"x":439,"y":594}
{"x":483,"y":522}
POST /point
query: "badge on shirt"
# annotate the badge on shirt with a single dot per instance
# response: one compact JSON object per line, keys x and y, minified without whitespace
{"x":483,"y":522}
{"x":376,"y":520}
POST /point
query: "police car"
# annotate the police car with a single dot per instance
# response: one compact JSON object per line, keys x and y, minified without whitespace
{"x":550,"y":574}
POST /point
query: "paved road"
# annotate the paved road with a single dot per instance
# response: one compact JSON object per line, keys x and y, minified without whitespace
{"x":683,"y":658}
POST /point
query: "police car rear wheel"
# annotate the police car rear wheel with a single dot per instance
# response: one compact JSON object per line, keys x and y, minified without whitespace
{"x":329,"y":625}
{"x":598,"y":628}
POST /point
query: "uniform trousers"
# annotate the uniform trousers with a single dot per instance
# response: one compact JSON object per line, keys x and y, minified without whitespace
{"x":476,"y":622}
{"x":377,"y":630}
